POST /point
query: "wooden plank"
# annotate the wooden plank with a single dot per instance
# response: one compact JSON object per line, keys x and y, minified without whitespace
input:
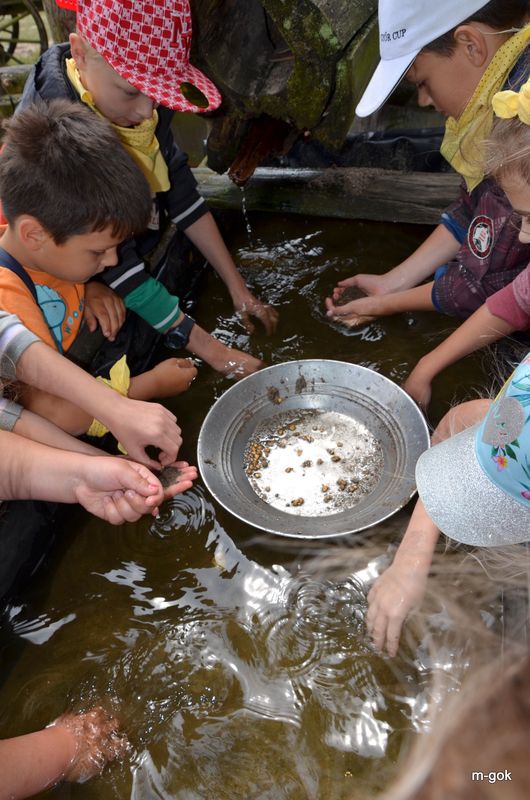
{"x":345,"y":192}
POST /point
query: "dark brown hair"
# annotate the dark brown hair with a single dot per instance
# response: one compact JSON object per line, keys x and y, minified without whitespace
{"x":65,"y":166}
{"x":498,"y":14}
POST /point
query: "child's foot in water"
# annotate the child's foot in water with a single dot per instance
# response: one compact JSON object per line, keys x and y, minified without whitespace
{"x":169,"y":378}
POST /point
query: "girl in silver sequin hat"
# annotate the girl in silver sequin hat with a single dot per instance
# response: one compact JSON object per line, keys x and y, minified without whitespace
{"x":474,"y":485}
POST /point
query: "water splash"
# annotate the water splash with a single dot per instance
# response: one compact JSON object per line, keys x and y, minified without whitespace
{"x":245,"y":216}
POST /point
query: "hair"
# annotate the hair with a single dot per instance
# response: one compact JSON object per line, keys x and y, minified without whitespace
{"x":508,"y":150}
{"x":476,"y":716}
{"x":497,"y":14}
{"x":481,"y":734}
{"x":65,"y":166}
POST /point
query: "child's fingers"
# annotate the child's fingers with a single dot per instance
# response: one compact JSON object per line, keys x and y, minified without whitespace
{"x":90,"y":319}
{"x":348,"y":282}
{"x":130,"y":505}
{"x":269,"y":317}
{"x":117,"y":512}
{"x":393,"y":632}
{"x":246,"y":322}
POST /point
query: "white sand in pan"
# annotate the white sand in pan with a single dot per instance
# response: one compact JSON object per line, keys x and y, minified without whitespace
{"x":348,"y":453}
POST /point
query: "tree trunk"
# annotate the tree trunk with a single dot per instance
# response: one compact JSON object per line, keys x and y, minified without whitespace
{"x":61,"y":22}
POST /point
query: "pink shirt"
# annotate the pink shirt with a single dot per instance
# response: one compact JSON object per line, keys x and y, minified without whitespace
{"x":512,"y":303}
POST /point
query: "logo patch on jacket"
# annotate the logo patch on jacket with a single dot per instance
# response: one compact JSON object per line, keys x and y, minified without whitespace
{"x":480,"y":236}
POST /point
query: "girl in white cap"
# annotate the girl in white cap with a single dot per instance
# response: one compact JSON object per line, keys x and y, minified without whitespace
{"x":457,"y":54}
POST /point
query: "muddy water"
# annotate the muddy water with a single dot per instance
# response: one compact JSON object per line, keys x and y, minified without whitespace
{"x":236,"y":673}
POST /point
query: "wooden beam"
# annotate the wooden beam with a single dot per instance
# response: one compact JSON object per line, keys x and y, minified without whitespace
{"x":344,"y":192}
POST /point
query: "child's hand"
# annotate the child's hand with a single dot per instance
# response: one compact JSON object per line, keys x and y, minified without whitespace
{"x":117,"y":490}
{"x":394,"y":594}
{"x":177,"y":478}
{"x":367,"y":283}
{"x":352,"y":314}
{"x":103,"y":306}
{"x":97,"y":742}
{"x":136,"y":424}
{"x":249,"y":306}
{"x":419,"y":386}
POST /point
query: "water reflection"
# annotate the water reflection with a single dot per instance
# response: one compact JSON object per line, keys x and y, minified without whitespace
{"x":238,"y":670}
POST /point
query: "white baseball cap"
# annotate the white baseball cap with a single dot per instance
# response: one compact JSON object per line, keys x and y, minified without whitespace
{"x":405,"y":28}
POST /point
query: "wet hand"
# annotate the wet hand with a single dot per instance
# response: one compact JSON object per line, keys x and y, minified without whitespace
{"x":419,"y":388}
{"x":367,"y":283}
{"x":353,"y":314}
{"x":177,"y":478}
{"x":103,"y":306}
{"x":394,"y":594}
{"x":97,"y":742}
{"x":249,"y":306}
{"x":117,"y":490}
{"x":136,"y":424}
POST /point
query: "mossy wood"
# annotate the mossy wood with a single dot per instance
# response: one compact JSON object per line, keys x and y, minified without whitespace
{"x":303,"y":63}
{"x":347,"y":193}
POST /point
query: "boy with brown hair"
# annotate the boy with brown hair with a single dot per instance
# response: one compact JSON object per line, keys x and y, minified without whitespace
{"x":458,"y":55}
{"x":130,"y":63}
{"x":70,"y":194}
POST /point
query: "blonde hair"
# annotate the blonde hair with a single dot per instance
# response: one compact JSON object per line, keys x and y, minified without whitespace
{"x":508,"y":150}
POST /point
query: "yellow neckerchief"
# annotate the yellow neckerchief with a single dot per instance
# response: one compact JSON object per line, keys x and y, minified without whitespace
{"x":140,"y":141}
{"x":474,"y":124}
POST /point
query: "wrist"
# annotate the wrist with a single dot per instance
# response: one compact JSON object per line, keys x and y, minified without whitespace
{"x":426,"y":368}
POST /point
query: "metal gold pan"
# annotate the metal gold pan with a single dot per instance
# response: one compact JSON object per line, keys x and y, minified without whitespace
{"x":324,"y":424}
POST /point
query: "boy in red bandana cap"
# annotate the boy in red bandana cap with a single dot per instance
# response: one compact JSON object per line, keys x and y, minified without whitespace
{"x":129,"y":62}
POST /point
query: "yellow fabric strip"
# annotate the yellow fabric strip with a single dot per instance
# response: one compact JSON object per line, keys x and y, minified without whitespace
{"x":462,"y":144}
{"x":140,"y":141}
{"x":119,"y":379}
{"x":508,"y":104}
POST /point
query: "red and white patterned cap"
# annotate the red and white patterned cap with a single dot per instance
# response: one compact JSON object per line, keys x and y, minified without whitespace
{"x":148,"y":45}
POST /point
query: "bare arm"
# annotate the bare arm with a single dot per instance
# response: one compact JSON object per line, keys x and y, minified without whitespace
{"x":74,"y":748}
{"x":402,"y":586}
{"x":205,"y":235}
{"x":32,"y":426}
{"x":480,"y":329}
{"x":134,"y":423}
{"x":439,"y":248}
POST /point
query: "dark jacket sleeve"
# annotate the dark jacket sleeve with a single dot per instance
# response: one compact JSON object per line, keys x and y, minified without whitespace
{"x":183,"y":203}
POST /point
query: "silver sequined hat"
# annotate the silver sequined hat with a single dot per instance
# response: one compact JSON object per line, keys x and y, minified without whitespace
{"x":475,"y":486}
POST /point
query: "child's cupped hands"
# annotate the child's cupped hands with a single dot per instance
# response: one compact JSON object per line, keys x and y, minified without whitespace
{"x":118,"y":490}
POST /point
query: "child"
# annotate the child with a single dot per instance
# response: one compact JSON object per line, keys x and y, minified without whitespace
{"x":134,"y":423}
{"x":67,"y":211}
{"x":508,"y":310}
{"x":125,"y":83}
{"x":474,"y":485}
{"x":74,"y":748}
{"x":458,"y":73}
{"x":70,"y":471}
